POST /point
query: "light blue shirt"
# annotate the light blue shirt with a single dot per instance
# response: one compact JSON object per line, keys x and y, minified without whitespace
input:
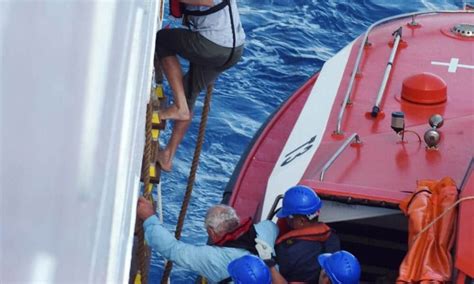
{"x":209,"y":261}
{"x":216,"y":27}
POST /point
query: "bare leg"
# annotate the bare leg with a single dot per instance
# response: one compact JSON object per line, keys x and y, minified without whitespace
{"x":165,"y":156}
{"x":179,"y":110}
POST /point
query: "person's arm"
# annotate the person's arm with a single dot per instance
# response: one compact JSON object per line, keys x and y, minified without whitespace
{"x":208,"y":3}
{"x":208,"y":261}
{"x":277,"y":278}
{"x":267,"y":231}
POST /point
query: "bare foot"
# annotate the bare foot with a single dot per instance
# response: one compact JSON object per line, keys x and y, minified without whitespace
{"x":175,"y":113}
{"x":163,"y":157}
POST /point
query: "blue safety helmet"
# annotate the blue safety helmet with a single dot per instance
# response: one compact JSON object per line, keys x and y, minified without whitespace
{"x":249,"y":269}
{"x":300,"y":200}
{"x":341,"y":267}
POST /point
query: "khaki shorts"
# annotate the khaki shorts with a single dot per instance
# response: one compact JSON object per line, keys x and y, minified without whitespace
{"x":206,"y":59}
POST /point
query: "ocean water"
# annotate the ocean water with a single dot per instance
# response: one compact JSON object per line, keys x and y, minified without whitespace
{"x":287,"y":41}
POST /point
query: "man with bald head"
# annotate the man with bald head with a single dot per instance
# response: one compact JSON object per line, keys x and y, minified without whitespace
{"x":230,"y":238}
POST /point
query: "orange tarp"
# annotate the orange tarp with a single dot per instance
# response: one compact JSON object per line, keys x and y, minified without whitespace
{"x":428,"y":259}
{"x":464,"y":245}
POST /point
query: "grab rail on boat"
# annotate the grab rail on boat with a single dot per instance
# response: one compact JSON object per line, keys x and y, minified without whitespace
{"x":355,"y":70}
{"x":386,"y":75}
{"x":338,"y":152}
{"x":272,"y":212}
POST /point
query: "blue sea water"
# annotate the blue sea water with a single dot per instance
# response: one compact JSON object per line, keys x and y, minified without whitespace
{"x":287,"y":41}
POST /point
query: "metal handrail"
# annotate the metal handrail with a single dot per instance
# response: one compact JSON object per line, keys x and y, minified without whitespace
{"x":361,"y":49}
{"x":338,"y":152}
{"x":273,"y":211}
{"x":386,"y":74}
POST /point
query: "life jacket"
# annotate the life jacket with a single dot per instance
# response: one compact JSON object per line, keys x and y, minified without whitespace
{"x":243,"y":237}
{"x":178,"y":9}
{"x":318,"y":232}
{"x":297,"y":251}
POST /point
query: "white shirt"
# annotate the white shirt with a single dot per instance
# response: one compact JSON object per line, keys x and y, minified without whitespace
{"x":216,"y":27}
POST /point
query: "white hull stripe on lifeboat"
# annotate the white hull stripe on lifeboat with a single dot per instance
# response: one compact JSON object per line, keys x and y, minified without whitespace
{"x":307,"y":133}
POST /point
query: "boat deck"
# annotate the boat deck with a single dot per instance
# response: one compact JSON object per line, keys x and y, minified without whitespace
{"x":382,"y":168}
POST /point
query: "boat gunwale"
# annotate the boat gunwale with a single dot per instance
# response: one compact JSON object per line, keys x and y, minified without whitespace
{"x":233,"y":186}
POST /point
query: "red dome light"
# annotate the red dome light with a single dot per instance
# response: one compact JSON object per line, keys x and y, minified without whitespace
{"x":424,"y":88}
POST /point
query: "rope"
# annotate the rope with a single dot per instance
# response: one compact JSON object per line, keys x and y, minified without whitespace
{"x":143,"y":252}
{"x":442,"y":214}
{"x":191,"y":178}
{"x":148,"y":152}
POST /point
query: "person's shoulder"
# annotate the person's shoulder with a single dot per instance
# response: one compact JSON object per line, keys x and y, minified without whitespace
{"x":267,"y":225}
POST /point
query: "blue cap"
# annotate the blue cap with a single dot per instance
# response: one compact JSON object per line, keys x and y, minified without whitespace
{"x":341,"y":267}
{"x":249,"y":269}
{"x":300,"y":200}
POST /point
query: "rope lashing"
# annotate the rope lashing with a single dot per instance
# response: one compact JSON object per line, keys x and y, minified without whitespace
{"x":148,"y":153}
{"x":192,"y":176}
{"x":442,"y":214}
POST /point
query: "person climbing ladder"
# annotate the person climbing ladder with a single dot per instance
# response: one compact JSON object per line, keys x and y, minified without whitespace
{"x":212,"y":42}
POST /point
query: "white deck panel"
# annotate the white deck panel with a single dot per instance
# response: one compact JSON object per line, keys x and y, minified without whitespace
{"x":308,"y":130}
{"x":75,"y":77}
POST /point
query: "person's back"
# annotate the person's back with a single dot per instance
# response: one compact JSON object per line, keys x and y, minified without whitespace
{"x":217,"y":26}
{"x":296,"y":256}
{"x":307,"y":238}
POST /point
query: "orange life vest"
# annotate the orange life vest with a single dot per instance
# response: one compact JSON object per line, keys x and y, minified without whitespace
{"x":176,"y":8}
{"x":235,"y":234}
{"x":319,"y":232}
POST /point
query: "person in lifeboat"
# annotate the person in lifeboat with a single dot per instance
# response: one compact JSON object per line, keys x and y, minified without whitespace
{"x":302,"y":237}
{"x":340,"y":267}
{"x":230,"y":238}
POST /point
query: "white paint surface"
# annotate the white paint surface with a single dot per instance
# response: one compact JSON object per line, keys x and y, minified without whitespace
{"x":44,"y":267}
{"x":336,"y":212}
{"x":75,"y":80}
{"x":311,"y":123}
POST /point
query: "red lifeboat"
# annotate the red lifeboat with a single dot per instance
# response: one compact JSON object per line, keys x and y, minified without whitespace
{"x":424,"y":88}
